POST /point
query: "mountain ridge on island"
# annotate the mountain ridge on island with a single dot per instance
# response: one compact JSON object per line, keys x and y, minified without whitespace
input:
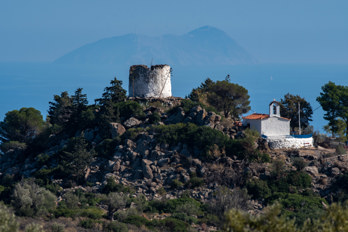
{"x":203,"y":46}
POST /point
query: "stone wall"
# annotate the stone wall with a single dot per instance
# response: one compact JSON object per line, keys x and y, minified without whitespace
{"x":281,"y":142}
{"x":150,"y":82}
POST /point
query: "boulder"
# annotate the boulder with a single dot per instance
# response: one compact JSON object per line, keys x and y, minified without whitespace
{"x":312,"y":170}
{"x":116,"y":129}
{"x":131,"y":122}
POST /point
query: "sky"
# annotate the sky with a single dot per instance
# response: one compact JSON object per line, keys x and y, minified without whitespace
{"x":273,"y":31}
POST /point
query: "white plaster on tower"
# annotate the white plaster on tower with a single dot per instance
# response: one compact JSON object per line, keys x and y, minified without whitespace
{"x":150,"y":82}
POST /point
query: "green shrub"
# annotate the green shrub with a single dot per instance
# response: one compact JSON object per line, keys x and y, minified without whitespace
{"x":88,"y":223}
{"x":112,"y":186}
{"x":270,"y":220}
{"x":225,"y":199}
{"x":176,"y":184}
{"x":136,"y":220}
{"x":12,"y":146}
{"x":299,"y":163}
{"x":8,"y":222}
{"x":31,"y":200}
{"x":154,"y":118}
{"x":33,"y":227}
{"x":129,"y":109}
{"x":170,"y":224}
{"x":57,"y":227}
{"x":202,"y":137}
{"x":132,"y":133}
{"x":299,"y":207}
{"x":295,"y":180}
{"x":107,"y":146}
{"x":340,"y":150}
{"x":258,"y":189}
{"x":91,"y":212}
{"x":195,"y":182}
{"x":185,"y":218}
{"x":299,"y":179}
{"x":264,"y":158}
{"x":115,"y":227}
{"x":169,"y":206}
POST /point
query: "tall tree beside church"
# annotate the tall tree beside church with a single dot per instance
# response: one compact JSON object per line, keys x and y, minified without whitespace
{"x":289,"y":109}
{"x":334,"y":101}
{"x":229,"y":98}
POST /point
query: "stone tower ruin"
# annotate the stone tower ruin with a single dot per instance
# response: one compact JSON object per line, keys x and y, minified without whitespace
{"x":150,"y":82}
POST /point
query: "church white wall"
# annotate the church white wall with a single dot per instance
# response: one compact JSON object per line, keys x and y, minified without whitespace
{"x":274,"y":126}
{"x":281,"y":142}
{"x":254,"y":124}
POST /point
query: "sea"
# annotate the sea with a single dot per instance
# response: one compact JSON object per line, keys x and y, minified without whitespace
{"x":35,"y":84}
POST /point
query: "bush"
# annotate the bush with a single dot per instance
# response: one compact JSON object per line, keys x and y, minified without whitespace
{"x":88,"y":223}
{"x":299,"y":163}
{"x":31,"y":200}
{"x":91,"y":212}
{"x":340,"y":149}
{"x":115,"y":227}
{"x":129,"y":109}
{"x":258,"y":189}
{"x":8,"y":222}
{"x":269,"y":220}
{"x":171,"y":224}
{"x":299,"y":207}
{"x":299,"y":179}
{"x":107,"y":146}
{"x":33,"y":227}
{"x":202,"y":137}
{"x":136,"y":220}
{"x":170,"y":206}
{"x":195,"y":182}
{"x":112,"y":186}
{"x":12,"y":146}
{"x":226,"y":199}
{"x":176,"y":184}
{"x":57,"y":227}
{"x":154,"y":118}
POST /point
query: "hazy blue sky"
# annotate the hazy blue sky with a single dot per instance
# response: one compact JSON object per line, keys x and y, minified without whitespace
{"x":311,"y":31}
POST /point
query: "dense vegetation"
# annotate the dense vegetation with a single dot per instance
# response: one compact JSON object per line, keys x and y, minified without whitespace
{"x":63,"y":150}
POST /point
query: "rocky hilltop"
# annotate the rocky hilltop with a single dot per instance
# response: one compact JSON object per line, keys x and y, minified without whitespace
{"x":172,"y":148}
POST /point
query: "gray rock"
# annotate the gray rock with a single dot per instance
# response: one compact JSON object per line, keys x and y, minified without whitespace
{"x":131,"y":122}
{"x":177,"y":117}
{"x":335,"y":171}
{"x":197,"y":162}
{"x":312,"y":170}
{"x":163,"y":162}
{"x":147,"y":172}
{"x":116,"y":129}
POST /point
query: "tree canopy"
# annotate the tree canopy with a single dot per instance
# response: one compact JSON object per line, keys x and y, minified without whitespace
{"x":21,"y":125}
{"x":289,"y":109}
{"x":334,"y":100}
{"x":229,"y":98}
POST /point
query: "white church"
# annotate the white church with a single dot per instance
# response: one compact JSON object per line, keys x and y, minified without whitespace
{"x":276,"y":129}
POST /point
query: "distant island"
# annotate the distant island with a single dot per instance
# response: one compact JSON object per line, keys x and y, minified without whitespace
{"x":204,"y":46}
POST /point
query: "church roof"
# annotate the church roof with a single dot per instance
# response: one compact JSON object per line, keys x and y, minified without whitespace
{"x":256,"y":116}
